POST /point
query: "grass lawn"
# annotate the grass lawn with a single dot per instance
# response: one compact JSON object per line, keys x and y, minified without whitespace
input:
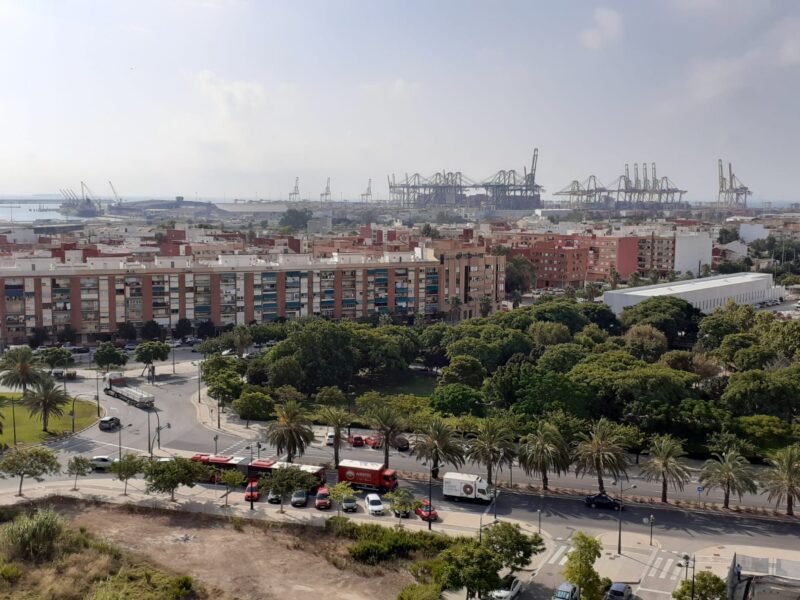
{"x":413,"y":382}
{"x":29,"y":429}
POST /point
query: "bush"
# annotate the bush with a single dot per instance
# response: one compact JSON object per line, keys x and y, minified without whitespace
{"x":342,"y":527}
{"x":377,"y":544}
{"x":11,"y":573}
{"x":181,"y":587}
{"x":417,"y":591}
{"x":32,"y":537}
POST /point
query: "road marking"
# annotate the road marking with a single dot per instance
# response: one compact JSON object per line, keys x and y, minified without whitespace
{"x":666,"y":568}
{"x":641,"y":589}
{"x":556,"y":555}
{"x":655,"y":566}
{"x":563,"y":560}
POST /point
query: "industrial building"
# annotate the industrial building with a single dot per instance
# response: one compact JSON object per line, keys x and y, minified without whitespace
{"x":706,"y":294}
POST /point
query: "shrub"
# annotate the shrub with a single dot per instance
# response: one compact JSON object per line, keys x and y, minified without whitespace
{"x":342,"y":527}
{"x":376,"y":544}
{"x":32,"y":537}
{"x":237,"y":523}
{"x":180,"y":587}
{"x":420,"y":591}
{"x":11,"y":573}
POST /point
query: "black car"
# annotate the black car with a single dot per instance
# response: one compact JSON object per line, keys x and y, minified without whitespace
{"x":401,"y":514}
{"x":300,"y":498}
{"x":109,"y":423}
{"x":603,"y":501}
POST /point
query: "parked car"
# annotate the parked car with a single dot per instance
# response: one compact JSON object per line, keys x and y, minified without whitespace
{"x":252,"y":491}
{"x":356,"y":441}
{"x":426,"y":512}
{"x":566,"y":591}
{"x":329,"y":438}
{"x":619,"y":591}
{"x":273,"y":498}
{"x":374,"y":441}
{"x":323,"y":499}
{"x":400,"y":514}
{"x":101,"y":463}
{"x":173,"y":343}
{"x":300,"y":498}
{"x":374,"y":505}
{"x":401,"y":443}
{"x":58,"y":372}
{"x":109,"y":423}
{"x":349,"y":504}
{"x":603,"y":501}
{"x":509,"y":590}
{"x":131,"y":346}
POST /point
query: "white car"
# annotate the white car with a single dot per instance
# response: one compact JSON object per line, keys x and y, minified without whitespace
{"x":508,"y":591}
{"x":101,"y":463}
{"x":374,"y":504}
{"x":329,"y":438}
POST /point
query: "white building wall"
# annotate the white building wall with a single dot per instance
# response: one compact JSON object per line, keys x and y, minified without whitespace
{"x":692,"y":250}
{"x":749,"y":232}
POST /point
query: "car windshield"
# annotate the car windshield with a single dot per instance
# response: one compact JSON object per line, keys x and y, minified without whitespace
{"x":564,"y":594}
{"x":375,"y":502}
{"x":618,"y":593}
{"x":322,"y":496}
{"x":349,"y":500}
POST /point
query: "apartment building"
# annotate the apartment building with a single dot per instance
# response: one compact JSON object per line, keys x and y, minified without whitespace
{"x":96,"y":295}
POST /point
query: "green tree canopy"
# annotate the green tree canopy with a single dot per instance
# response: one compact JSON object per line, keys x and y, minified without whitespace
{"x":674,"y":317}
{"x":514,"y":548}
{"x":34,"y":462}
{"x":579,"y":568}
{"x":458,"y":399}
{"x":108,"y":355}
{"x":166,"y":477}
{"x":466,"y":370}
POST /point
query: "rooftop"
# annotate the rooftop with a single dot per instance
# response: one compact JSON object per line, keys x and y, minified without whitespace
{"x":691,"y":285}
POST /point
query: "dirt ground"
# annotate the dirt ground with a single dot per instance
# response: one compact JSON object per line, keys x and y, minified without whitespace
{"x":253,"y":563}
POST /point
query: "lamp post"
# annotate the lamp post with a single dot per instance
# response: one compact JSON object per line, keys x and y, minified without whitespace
{"x":73,"y":409}
{"x":686,"y":561}
{"x":619,"y":538}
{"x":97,"y":393}
{"x":430,"y":492}
{"x":651,"y":520}
{"x":157,"y":435}
{"x":121,"y":427}
{"x":216,"y":438}
{"x":258,"y":448}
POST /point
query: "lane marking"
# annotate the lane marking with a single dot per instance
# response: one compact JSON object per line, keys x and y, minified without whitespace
{"x":665,"y":570}
{"x":556,"y":555}
{"x":655,"y":566}
{"x":642,"y":589}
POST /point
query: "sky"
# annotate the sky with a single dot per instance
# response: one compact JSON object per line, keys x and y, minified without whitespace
{"x":236,"y":98}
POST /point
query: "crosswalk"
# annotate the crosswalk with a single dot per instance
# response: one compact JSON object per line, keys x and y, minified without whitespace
{"x":559,"y":557}
{"x":665,"y":568}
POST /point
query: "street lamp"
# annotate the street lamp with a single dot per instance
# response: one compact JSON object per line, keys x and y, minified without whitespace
{"x":651,"y":520}
{"x":539,"y":510}
{"x":619,"y":538}
{"x":258,"y":448}
{"x":430,"y":492}
{"x":73,"y":409}
{"x":216,"y":438}
{"x":121,"y":427}
{"x":686,"y":561}
{"x":157,"y":435}
{"x":97,"y":393}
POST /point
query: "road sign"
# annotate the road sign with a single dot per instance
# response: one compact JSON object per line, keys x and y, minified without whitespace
{"x":700,"y":489}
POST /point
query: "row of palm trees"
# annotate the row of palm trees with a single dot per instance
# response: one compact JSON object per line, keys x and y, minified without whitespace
{"x":20,"y":369}
{"x":600,"y":452}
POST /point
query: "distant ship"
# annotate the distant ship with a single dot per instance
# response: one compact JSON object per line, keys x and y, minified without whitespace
{"x":76,"y":206}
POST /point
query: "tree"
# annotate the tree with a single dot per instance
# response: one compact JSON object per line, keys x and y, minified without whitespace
{"x":231,"y":478}
{"x":560,"y":358}
{"x":674,"y":317}
{"x":601,"y":452}
{"x":206,"y":329}
{"x":126,"y":331}
{"x":666,"y":464}
{"x":455,"y":307}
{"x":127,"y":467}
{"x":514,"y":548}
{"x":645,"y":342}
{"x":389,"y":424}
{"x":729,"y":472}
{"x":224,"y":386}
{"x":19,"y":368}
{"x":240,"y":340}
{"x":286,"y":371}
{"x":466,"y":370}
{"x":339,"y":492}
{"x":292,"y":432}
{"x":485,"y":306}
{"x":108,"y":355}
{"x":543,"y":451}
{"x":331,"y":396}
{"x":764,"y":431}
{"x":286,"y":480}
{"x":613,"y":279}
{"x":54,"y":357}
{"x":591,"y":290}
{"x":149,"y":352}
{"x":548,"y":334}
{"x":287,"y":393}
{"x":152,"y":331}
{"x":295,"y":218}
{"x":67,"y":334}
{"x":182,"y":329}
{"x":165,"y":477}
{"x":561,"y":311}
{"x":438,"y":444}
{"x":579,"y":568}
{"x":492,"y":447}
{"x":79,"y":466}
{"x":402,"y":501}
{"x":458,"y":399}
{"x":44,"y":399}
{"x":39,"y":335}
{"x":33,"y":462}
{"x":336,"y":419}
{"x":782,"y":480}
{"x":472,"y":566}
{"x":520,"y":274}
{"x":706,"y":586}
{"x":254,"y":405}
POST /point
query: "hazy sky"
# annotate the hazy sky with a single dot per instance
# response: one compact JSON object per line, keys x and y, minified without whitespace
{"x":237,"y":98}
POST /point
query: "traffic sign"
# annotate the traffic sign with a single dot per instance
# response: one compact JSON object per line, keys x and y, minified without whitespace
{"x":700,"y":489}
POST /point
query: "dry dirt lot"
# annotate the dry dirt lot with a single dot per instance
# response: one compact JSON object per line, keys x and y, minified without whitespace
{"x":259,"y":563}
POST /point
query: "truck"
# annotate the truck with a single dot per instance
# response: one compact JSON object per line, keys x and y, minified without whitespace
{"x":465,"y":486}
{"x":131,"y":395}
{"x":367,"y":475}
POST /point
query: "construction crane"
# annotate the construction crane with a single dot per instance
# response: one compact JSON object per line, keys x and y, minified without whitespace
{"x":294,"y":195}
{"x":367,"y":196}
{"x":326,"y":195}
{"x":117,"y":199}
{"x":732,"y":192}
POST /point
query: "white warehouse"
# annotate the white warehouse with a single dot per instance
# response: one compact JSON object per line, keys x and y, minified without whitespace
{"x":705,"y":294}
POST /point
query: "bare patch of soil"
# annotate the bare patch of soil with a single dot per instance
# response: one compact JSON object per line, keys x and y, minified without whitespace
{"x":267,"y":561}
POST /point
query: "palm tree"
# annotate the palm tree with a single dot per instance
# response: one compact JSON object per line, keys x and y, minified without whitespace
{"x":389,"y":424}
{"x":730,"y":472}
{"x":783,"y":478}
{"x":601,"y":452}
{"x":337,"y":419}
{"x":493,"y":446}
{"x":292,"y":432}
{"x":45,"y":398}
{"x":19,"y":368}
{"x":666,"y":464}
{"x":439,"y":444}
{"x":544,"y":450}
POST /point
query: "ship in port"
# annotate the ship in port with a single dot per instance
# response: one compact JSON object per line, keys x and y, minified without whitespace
{"x":85,"y":205}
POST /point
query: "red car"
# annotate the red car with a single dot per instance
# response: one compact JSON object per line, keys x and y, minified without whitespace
{"x":356,"y":441}
{"x":252,"y":491}
{"x":374,"y":441}
{"x":426,"y":512}
{"x":323,"y":499}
